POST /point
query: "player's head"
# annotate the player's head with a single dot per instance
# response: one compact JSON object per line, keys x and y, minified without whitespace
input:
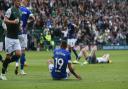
{"x":63,"y":44}
{"x":16,"y":3}
{"x":25,"y":2}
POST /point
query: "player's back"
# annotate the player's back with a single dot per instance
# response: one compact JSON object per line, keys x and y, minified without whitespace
{"x":61,"y":59}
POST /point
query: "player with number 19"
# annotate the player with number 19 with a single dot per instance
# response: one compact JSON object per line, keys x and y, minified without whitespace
{"x":62,"y":62}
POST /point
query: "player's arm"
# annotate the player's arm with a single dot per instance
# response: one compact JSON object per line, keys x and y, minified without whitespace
{"x":73,"y":72}
{"x":32,"y":16}
{"x":7,"y":16}
{"x":7,"y":21}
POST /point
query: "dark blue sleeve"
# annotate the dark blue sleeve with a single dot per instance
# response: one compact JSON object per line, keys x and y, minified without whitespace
{"x":29,"y":12}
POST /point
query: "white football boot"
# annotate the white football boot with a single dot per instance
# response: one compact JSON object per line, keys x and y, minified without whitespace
{"x":3,"y":77}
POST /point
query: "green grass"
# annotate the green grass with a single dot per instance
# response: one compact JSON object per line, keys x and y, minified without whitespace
{"x":94,"y":76}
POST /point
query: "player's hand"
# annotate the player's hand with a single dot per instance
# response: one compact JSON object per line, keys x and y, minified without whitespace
{"x":79,"y":77}
{"x":16,"y":21}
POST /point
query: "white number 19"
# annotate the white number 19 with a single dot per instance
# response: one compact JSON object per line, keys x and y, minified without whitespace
{"x":59,"y":62}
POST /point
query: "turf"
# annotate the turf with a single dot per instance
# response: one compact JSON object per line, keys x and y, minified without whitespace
{"x":94,"y":76}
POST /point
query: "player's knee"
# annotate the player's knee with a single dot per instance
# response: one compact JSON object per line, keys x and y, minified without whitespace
{"x":23,"y":50}
{"x":50,"y":67}
{"x":50,"y":61}
{"x":8,"y":56}
{"x":18,"y":53}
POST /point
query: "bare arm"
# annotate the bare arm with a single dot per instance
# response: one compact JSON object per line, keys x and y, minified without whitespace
{"x":7,"y":21}
{"x":33,"y":17}
{"x":73,"y":72}
{"x":7,"y":16}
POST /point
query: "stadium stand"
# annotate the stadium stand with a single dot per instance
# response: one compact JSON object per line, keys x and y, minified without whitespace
{"x":99,"y":22}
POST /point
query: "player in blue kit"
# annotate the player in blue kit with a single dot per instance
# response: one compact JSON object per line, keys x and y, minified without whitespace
{"x":72,"y":38}
{"x":62,"y":63}
{"x":26,"y":14}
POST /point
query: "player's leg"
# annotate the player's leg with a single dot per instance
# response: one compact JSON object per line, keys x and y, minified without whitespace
{"x":107,"y":57}
{"x":9,"y":58}
{"x":4,"y":67}
{"x":24,"y":49}
{"x":75,"y":52}
{"x":93,"y":50}
{"x":1,"y":59}
{"x":86,"y":54}
{"x":69,"y":45}
{"x":17,"y":61}
{"x":92,"y":56}
{"x":23,"y":43}
{"x":79,"y":56}
{"x":17,"y":55}
{"x":73,"y":41}
{"x":10,"y":46}
{"x":22,"y":62}
{"x":50,"y":65}
{"x":73,"y":49}
{"x":68,"y":73}
{"x":17,"y":65}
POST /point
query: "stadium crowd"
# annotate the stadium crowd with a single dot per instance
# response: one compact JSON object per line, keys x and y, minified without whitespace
{"x":99,"y":22}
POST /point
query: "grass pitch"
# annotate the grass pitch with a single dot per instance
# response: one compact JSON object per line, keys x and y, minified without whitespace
{"x":94,"y":76}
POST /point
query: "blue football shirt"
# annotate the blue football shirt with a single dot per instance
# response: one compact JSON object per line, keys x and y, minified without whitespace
{"x":25,"y":15}
{"x":71,"y":31}
{"x":61,"y":59}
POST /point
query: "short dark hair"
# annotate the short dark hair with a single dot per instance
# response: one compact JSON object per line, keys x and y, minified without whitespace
{"x":64,"y":44}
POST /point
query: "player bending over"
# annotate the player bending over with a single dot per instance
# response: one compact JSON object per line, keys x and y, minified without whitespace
{"x":62,"y":62}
